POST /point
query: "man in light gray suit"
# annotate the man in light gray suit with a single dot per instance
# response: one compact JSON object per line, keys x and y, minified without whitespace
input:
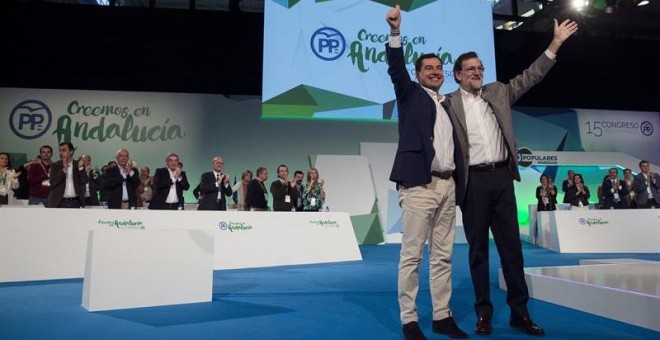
{"x":481,"y":117}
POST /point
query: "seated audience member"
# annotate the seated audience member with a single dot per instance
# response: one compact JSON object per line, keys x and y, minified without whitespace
{"x":647,"y":187}
{"x":257,"y":195}
{"x":313,"y":193}
{"x":629,"y":180}
{"x":578,"y":194}
{"x":240,"y":191}
{"x":546,"y":194}
{"x":67,"y":180}
{"x":169,"y":183}
{"x":566,"y":184}
{"x":8,"y":180}
{"x":614,"y":191}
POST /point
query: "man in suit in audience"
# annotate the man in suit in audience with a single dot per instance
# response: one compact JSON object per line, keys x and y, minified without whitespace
{"x":298,"y":179}
{"x":614,"y":191}
{"x":67,"y":180}
{"x":647,"y":187}
{"x":214,"y":187}
{"x":567,"y":183}
{"x":257,"y":195}
{"x":168,"y":185}
{"x":285,"y":194}
{"x":119,"y":183}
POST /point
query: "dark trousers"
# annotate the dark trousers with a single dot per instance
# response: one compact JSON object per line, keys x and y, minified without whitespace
{"x":490,"y":202}
{"x":69,"y":203}
{"x":649,"y":203}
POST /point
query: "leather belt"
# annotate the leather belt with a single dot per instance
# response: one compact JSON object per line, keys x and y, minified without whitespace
{"x":442,"y":174}
{"x":488,"y":166}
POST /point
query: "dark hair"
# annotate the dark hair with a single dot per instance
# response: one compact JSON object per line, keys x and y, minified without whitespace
{"x":260,"y":170}
{"x":546,"y":177}
{"x":642,"y":162}
{"x":627,"y":169}
{"x":581,"y":178}
{"x":8,"y":159}
{"x":282,"y":166}
{"x":46,"y":147}
{"x":418,"y":62}
{"x":69,"y":145}
{"x":458,"y":64}
{"x":615,"y":169}
{"x":298,"y":172}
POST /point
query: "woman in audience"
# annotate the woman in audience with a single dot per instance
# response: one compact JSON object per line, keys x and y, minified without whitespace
{"x":313,"y":193}
{"x":8,"y":180}
{"x":546,"y":193}
{"x":578,"y":195}
{"x":628,"y":178}
{"x":240,"y":189}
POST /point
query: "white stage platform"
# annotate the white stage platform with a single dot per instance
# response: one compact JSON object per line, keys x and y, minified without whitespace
{"x":626,"y":290}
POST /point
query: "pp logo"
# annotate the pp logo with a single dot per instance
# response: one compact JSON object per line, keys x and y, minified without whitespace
{"x":582,"y":221}
{"x":328,"y":44}
{"x":30,"y":119}
{"x":524,"y":158}
{"x":222,"y":225}
{"x":647,"y":128}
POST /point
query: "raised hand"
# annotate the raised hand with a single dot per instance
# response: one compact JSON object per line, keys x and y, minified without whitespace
{"x":565,"y":29}
{"x":393,"y":18}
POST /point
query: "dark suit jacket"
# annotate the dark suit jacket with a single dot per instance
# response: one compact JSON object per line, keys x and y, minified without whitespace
{"x":609,"y":202}
{"x":500,"y":97}
{"x":94,"y":186}
{"x":552,"y":199}
{"x":417,"y":113}
{"x":161,"y":186}
{"x":279,"y":191}
{"x":209,"y":193}
{"x":112,"y":184}
{"x":575,"y":199}
{"x":58,"y":184}
{"x":256,"y":195}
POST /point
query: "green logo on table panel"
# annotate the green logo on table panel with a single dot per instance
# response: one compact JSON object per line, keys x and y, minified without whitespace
{"x":122,"y":224}
{"x":592,"y":222}
{"x":324,"y":223}
{"x":234,"y":226}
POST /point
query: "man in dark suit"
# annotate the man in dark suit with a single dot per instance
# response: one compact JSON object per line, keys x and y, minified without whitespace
{"x":214,"y":187}
{"x":257,"y":195}
{"x":424,"y":173}
{"x":168,"y":185}
{"x":119,"y":183}
{"x":566,"y":184}
{"x":647,"y":187}
{"x":285,"y":194}
{"x":67,"y":180}
{"x":92,"y":181}
{"x":614,"y":191}
{"x":485,"y":128}
{"x":298,"y":176}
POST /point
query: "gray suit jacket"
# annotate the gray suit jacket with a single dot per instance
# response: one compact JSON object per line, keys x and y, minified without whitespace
{"x":641,"y":190}
{"x":501,"y":97}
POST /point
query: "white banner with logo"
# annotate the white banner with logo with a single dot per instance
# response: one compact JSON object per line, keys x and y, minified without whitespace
{"x":44,"y":244}
{"x":600,"y":231}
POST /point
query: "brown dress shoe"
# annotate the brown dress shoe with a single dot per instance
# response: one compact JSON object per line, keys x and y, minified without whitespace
{"x":484,"y":327}
{"x":527,"y":325}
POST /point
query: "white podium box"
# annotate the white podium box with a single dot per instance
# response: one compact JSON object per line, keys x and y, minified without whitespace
{"x":600,"y":231}
{"x":144,"y":268}
{"x":48,"y":244}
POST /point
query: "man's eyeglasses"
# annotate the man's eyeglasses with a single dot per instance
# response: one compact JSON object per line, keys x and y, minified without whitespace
{"x":474,"y":69}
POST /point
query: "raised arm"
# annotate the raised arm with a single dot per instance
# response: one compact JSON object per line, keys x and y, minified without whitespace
{"x":562,"y":32}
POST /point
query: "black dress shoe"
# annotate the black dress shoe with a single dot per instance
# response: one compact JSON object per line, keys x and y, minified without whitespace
{"x":448,"y":327}
{"x":484,"y":327}
{"x":412,"y":332}
{"x":527,"y":325}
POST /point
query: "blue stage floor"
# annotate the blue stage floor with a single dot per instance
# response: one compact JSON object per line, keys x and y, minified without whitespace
{"x":355,"y":300}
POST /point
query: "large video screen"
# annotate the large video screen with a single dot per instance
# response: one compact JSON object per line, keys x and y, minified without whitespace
{"x":327,"y":60}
